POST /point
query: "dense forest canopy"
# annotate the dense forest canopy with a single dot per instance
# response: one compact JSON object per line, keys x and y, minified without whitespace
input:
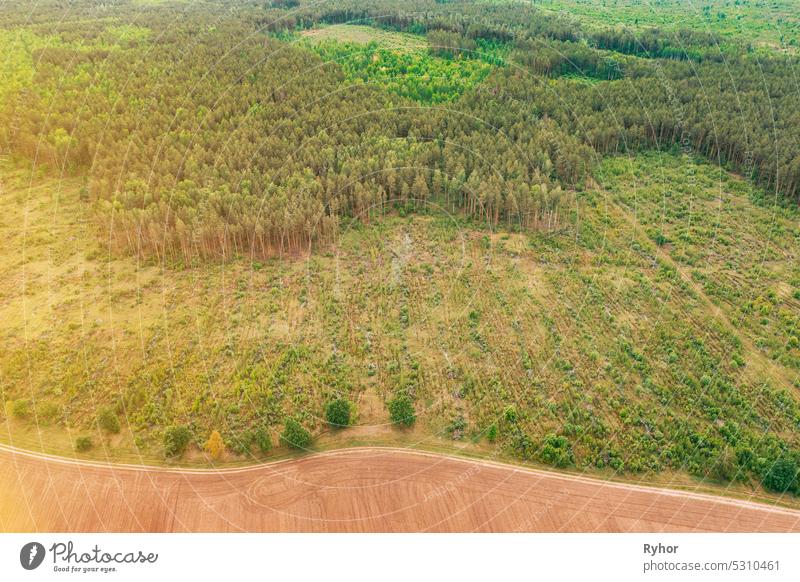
{"x":212,"y":129}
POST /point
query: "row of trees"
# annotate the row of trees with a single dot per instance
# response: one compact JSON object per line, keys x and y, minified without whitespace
{"x":177,"y":438}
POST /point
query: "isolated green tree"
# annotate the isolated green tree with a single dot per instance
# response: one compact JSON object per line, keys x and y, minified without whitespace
{"x":401,"y":410}
{"x":262,"y":439}
{"x":176,"y":439}
{"x":83,"y":444}
{"x":295,"y":435}
{"x":21,"y":408}
{"x":108,"y":421}
{"x":337,"y":412}
{"x":557,"y":451}
{"x":781,"y":476}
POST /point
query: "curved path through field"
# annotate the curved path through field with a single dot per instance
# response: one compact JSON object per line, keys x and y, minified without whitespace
{"x":354,"y":490}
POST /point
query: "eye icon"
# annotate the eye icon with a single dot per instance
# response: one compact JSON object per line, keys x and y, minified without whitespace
{"x":31,"y":555}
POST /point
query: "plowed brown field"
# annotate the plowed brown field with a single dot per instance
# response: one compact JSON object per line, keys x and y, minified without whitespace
{"x":356,"y":490}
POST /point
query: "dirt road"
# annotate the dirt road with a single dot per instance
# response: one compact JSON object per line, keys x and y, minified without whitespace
{"x":352,"y":490}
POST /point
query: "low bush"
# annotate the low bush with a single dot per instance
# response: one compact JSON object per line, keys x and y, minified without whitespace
{"x":295,"y":435}
{"x":262,"y":439}
{"x":176,"y":439}
{"x":401,"y":410}
{"x":337,"y":413}
{"x":108,"y":421}
{"x":557,"y":451}
{"x":83,"y":444}
{"x":48,"y":411}
{"x":781,"y":476}
{"x":21,"y":408}
{"x":457,"y":427}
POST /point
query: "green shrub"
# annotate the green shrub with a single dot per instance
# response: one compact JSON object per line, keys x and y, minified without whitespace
{"x":745,"y":457}
{"x":48,"y":411}
{"x":240,"y":444}
{"x":557,"y":451}
{"x":176,"y":439}
{"x":457,"y":427}
{"x":491,"y":433}
{"x":401,"y":410}
{"x":295,"y":435}
{"x":21,"y":408}
{"x":521,"y":443}
{"x":404,"y":315}
{"x":781,"y":476}
{"x":263,"y":439}
{"x":83,"y":444}
{"x":510,"y":415}
{"x":337,"y":412}
{"x":725,"y":467}
{"x":108,"y":421}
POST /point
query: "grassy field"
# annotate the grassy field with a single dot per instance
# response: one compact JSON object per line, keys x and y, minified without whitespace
{"x":359,"y":34}
{"x":655,"y":336}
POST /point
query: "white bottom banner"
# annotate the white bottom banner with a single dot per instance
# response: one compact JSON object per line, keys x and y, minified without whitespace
{"x":401,"y":557}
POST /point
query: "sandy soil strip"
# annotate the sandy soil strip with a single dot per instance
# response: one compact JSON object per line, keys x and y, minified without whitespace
{"x":365,"y":489}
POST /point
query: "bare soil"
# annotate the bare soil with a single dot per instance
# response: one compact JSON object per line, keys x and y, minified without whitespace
{"x":355,"y":490}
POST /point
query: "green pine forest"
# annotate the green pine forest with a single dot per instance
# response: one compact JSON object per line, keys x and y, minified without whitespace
{"x":563,"y":233}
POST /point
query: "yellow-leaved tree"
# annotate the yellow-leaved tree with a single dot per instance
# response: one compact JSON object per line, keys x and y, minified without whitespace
{"x":215,"y":445}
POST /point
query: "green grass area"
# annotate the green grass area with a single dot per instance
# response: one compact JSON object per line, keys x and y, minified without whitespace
{"x":769,"y":23}
{"x":401,"y":63}
{"x":358,"y":34}
{"x":415,"y":75}
{"x":610,"y":346}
